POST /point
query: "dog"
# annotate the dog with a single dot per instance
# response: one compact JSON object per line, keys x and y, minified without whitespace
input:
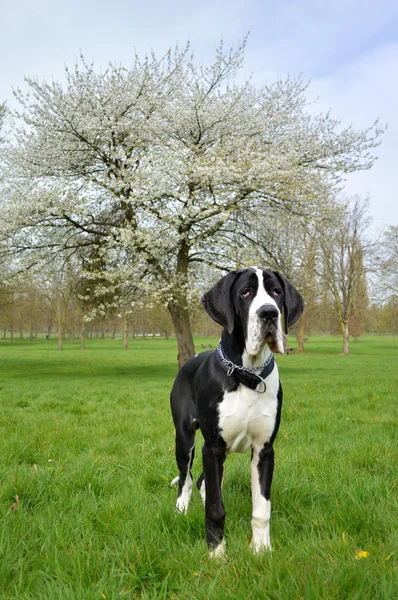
{"x":233,"y":394}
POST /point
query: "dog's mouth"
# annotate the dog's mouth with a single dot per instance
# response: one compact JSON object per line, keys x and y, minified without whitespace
{"x":275,"y":343}
{"x":273,"y":337}
{"x":269,"y":334}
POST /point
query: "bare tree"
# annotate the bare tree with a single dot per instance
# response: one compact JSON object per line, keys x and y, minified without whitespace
{"x":57,"y":287}
{"x":388,"y":257}
{"x":344,"y":251}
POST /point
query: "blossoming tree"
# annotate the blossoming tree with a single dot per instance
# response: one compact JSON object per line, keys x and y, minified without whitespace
{"x":159,"y":157}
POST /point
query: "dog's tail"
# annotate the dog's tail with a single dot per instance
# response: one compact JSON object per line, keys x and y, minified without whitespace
{"x":175,"y":481}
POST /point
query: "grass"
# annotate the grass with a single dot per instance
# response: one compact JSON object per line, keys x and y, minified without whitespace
{"x":87,"y":444}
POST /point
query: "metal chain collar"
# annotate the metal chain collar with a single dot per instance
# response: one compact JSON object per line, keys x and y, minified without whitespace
{"x":232,"y":366}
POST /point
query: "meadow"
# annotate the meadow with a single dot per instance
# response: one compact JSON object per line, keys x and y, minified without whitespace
{"x":87,"y":445}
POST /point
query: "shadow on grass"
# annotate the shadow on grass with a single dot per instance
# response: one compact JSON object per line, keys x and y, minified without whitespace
{"x":59,"y":371}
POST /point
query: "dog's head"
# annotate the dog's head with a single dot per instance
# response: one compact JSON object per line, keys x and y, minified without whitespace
{"x":252,"y":301}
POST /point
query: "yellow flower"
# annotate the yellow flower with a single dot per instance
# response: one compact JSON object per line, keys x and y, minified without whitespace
{"x":362,"y":554}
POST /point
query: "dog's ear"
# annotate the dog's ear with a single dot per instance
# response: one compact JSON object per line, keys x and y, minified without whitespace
{"x":293,"y":303}
{"x":217,"y":301}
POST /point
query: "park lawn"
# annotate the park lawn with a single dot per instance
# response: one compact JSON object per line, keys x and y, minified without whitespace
{"x":87,"y":444}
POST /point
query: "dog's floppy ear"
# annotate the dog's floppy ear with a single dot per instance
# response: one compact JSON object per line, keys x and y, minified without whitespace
{"x":217,"y":301}
{"x":293,"y":303}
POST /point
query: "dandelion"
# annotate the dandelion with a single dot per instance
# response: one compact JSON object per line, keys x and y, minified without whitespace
{"x":361,"y":554}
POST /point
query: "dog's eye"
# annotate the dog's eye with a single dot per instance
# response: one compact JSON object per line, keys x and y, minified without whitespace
{"x":245,"y":294}
{"x":276,"y":293}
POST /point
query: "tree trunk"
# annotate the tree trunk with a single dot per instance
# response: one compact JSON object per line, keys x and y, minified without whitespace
{"x":125,"y":333}
{"x":346,"y":337}
{"x":61,"y":331}
{"x":178,"y":307}
{"x":83,"y":335}
{"x":183,"y":331}
{"x":286,"y":343}
{"x":12,"y":331}
{"x":300,"y":333}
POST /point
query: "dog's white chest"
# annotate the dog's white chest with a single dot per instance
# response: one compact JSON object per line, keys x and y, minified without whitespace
{"x":247,"y":418}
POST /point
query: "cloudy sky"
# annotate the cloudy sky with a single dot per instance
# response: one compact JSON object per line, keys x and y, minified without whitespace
{"x":348,"y":49}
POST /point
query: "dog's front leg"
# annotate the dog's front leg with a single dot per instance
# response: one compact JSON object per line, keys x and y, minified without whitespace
{"x":213,"y":465}
{"x":262,"y":467}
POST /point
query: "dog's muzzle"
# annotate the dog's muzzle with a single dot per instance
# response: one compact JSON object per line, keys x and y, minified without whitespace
{"x":268,"y":315}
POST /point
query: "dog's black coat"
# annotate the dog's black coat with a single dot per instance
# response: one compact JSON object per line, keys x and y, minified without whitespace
{"x":202,"y":384}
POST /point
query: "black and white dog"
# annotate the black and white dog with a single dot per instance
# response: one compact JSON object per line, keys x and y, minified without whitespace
{"x":234,"y":396}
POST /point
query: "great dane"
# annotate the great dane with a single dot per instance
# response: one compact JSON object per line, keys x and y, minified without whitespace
{"x":233,"y":394}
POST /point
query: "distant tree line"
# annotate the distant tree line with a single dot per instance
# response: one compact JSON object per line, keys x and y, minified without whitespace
{"x":26,"y":313}
{"x":333,"y":271}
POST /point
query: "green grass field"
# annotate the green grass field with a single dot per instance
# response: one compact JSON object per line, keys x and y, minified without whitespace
{"x":87,"y":444}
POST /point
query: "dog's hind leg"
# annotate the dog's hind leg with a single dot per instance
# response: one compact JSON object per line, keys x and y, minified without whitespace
{"x":213,"y":464}
{"x":186,"y":423}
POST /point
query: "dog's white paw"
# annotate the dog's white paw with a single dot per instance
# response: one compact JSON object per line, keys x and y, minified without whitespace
{"x":260,"y":547}
{"x":219,"y":552}
{"x":182,"y":505}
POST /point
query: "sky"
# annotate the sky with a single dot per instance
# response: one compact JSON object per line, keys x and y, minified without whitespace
{"x":348,"y":50}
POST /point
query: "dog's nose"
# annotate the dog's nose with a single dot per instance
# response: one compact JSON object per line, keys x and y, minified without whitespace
{"x":267,"y":312}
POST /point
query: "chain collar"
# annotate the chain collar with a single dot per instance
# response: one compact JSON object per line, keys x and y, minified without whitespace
{"x":250,"y":377}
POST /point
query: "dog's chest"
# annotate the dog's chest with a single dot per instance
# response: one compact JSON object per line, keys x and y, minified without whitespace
{"x":247,"y":418}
